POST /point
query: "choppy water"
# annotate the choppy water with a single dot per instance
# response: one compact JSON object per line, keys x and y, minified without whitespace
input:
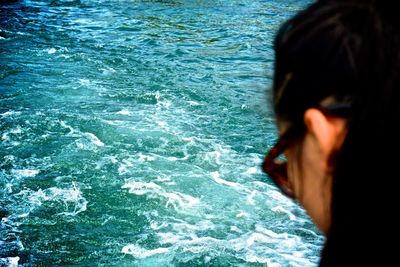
{"x":132,"y":133}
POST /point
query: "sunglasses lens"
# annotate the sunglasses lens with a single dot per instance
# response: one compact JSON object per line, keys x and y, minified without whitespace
{"x":277,"y":171}
{"x":275,"y":164}
{"x":280,"y":178}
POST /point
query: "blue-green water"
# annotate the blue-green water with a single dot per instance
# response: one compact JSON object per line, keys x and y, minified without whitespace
{"x":132,"y":134}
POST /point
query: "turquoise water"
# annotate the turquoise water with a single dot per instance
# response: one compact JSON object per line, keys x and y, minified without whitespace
{"x":132,"y":134}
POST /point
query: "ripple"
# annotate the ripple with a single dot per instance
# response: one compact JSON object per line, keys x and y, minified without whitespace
{"x":132,"y":133}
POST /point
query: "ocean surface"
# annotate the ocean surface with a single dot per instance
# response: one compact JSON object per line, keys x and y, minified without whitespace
{"x":132,"y":133}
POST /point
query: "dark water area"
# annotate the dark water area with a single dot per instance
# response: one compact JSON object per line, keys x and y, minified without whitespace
{"x":132,"y":133}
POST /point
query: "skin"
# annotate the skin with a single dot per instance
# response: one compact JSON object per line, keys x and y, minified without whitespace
{"x":308,"y":165}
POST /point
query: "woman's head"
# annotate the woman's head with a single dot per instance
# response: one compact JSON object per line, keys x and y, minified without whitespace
{"x":315,"y":61}
{"x":307,"y":174}
{"x":335,"y":92}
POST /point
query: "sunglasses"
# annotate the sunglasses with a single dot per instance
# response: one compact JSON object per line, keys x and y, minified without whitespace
{"x":276,"y":168}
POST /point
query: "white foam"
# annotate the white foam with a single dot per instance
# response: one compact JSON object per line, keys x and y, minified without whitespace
{"x":213,"y":156}
{"x":278,"y":196}
{"x":87,"y":136}
{"x":250,"y":257}
{"x":143,"y":158}
{"x":194,"y":103}
{"x":161,"y":103}
{"x":176,"y":199}
{"x":176,"y":159}
{"x":63,"y":124}
{"x":36,"y":198}
{"x":270,"y":233}
{"x":157,"y":226}
{"x":106,"y":160}
{"x":16,"y":130}
{"x":257,"y":237}
{"x":10,"y":113}
{"x":234,"y":228}
{"x":189,"y":242}
{"x":115,"y":122}
{"x":162,"y":124}
{"x":84,"y":82}
{"x":201,"y":243}
{"x":291,"y":243}
{"x":259,"y":184}
{"x":250,"y":198}
{"x":124,"y":166}
{"x":252,"y":247}
{"x":283,"y":210}
{"x":124,"y":112}
{"x":141,"y":253}
{"x":113,"y":159}
{"x":179,"y":200}
{"x":5,"y":137}
{"x":141,"y":188}
{"x":164,"y":179}
{"x":169,"y":238}
{"x":8,"y":188}
{"x":205,"y":225}
{"x":200,"y":226}
{"x":108,"y":218}
{"x":10,"y":261}
{"x":25,"y":172}
{"x":242,"y":214}
{"x":108,"y":71}
{"x":94,"y":139}
{"x":216,"y":178}
{"x":52,"y":51}
{"x":261,"y":245}
{"x":188,"y":139}
{"x":252,"y":170}
{"x":166,"y":103}
{"x":296,"y":260}
{"x":72,"y":199}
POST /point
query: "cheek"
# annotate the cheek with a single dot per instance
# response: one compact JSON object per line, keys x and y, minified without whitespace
{"x":294,"y":170}
{"x":311,"y":183}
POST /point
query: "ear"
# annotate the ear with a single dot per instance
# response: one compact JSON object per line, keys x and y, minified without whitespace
{"x":327,"y":132}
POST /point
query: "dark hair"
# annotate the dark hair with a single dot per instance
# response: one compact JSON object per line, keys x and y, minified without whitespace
{"x":349,"y":51}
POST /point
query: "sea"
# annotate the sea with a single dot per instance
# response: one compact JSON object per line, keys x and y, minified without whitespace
{"x":132,"y":134}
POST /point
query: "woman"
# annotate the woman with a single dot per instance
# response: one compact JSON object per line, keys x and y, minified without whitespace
{"x":336,"y":99}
